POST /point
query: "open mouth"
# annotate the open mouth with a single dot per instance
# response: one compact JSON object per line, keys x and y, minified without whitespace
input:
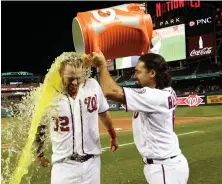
{"x":71,"y":88}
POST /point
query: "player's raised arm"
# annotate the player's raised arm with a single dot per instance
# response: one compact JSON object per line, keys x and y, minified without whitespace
{"x":150,"y":74}
{"x":110,"y":88}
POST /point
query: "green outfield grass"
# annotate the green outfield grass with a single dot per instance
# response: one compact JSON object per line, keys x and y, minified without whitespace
{"x":203,"y":150}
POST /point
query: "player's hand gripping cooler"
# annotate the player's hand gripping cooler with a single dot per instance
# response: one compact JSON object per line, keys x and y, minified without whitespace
{"x":117,"y":32}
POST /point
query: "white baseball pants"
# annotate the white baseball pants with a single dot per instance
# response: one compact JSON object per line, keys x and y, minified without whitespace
{"x":72,"y":172}
{"x":169,"y":171}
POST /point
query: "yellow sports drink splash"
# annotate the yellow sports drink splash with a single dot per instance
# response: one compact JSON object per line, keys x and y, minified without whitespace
{"x":46,"y":92}
{"x":35,"y":106}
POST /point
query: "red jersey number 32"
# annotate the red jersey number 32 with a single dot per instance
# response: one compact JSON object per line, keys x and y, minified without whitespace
{"x":62,"y":124}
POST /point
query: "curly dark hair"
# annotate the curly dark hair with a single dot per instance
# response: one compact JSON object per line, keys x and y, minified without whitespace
{"x":158,"y":63}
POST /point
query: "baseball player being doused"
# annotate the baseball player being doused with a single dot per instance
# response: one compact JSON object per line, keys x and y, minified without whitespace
{"x":154,"y":105}
{"x":74,"y":129}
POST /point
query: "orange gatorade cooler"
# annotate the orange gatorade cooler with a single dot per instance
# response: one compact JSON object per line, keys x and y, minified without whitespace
{"x":118,"y":31}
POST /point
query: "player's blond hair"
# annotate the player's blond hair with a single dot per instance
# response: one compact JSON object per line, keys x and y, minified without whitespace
{"x":77,"y":60}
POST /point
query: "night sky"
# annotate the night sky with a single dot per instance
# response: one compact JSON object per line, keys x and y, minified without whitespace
{"x":35,"y":33}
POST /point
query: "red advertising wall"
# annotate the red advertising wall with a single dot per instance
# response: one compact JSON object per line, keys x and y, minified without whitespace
{"x":191,"y":100}
{"x":202,"y":45}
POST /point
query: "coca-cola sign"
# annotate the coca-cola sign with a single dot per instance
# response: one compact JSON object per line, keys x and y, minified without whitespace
{"x":200,"y":46}
{"x":204,"y":51}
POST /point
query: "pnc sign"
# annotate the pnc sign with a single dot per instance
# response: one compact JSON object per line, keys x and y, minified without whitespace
{"x":167,"y":6}
{"x":198,"y":22}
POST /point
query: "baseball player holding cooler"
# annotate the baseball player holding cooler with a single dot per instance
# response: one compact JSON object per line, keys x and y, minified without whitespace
{"x":153,"y":121}
{"x":74,"y":132}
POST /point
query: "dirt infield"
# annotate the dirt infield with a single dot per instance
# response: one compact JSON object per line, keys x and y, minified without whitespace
{"x":125,"y":123}
{"x":122,"y":124}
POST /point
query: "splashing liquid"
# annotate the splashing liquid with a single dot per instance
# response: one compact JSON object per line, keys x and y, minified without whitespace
{"x":46,"y":93}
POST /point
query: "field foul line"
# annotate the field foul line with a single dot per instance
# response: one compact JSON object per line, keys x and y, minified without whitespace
{"x":126,"y":144}
{"x":130,"y":130}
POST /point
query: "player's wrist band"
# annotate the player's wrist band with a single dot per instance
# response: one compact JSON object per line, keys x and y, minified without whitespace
{"x":112,"y":133}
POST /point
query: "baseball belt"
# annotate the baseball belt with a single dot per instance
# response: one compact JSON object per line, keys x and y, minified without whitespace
{"x":80,"y":158}
{"x":151,"y":161}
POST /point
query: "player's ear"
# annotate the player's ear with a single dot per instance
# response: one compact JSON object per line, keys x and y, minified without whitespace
{"x":153,"y":73}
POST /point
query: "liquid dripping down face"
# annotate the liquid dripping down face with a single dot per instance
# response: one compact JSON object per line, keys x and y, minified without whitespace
{"x":72,"y":77}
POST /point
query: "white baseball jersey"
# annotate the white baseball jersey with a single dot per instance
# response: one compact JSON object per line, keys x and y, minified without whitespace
{"x":153,"y":121}
{"x":76,"y":129}
{"x":156,"y":47}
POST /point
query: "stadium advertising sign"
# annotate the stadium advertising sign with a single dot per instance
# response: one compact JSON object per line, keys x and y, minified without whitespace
{"x":163,"y":7}
{"x":214,"y":99}
{"x":18,"y":89}
{"x":202,"y":45}
{"x":16,"y":73}
{"x":122,"y":107}
{"x":113,"y":106}
{"x":200,"y":24}
{"x":191,"y":100}
{"x":169,"y":22}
